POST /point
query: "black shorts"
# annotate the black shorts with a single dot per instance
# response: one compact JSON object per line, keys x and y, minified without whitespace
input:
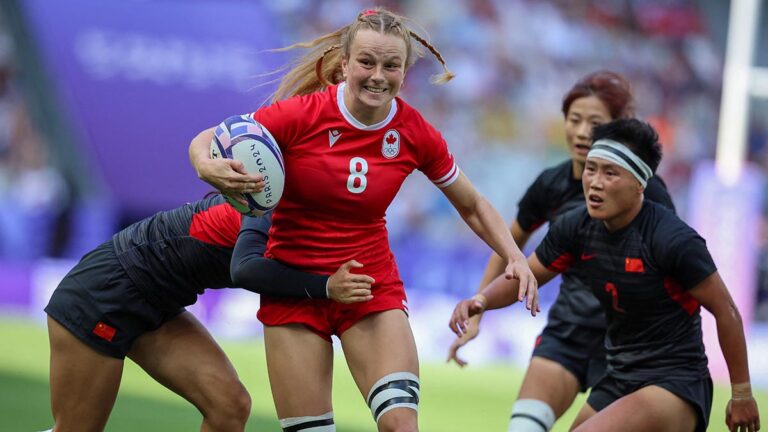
{"x":100,"y":305}
{"x":698,"y":393}
{"x":579,"y":349}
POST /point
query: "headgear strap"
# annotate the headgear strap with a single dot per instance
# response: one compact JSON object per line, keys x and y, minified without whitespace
{"x":619,"y":154}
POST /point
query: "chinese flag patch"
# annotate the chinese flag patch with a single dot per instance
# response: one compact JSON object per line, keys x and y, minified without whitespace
{"x":104,"y":331}
{"x":633,"y":265}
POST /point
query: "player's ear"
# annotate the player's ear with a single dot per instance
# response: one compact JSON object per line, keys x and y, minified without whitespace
{"x":344,"y":64}
{"x":640,"y":189}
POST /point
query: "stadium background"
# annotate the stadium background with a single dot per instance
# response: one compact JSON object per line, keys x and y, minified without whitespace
{"x":99,"y":99}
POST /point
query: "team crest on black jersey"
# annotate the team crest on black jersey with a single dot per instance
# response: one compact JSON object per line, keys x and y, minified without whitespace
{"x":390,"y":145}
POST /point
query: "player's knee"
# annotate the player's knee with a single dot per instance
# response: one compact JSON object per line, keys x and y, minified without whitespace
{"x":231,"y":405}
{"x":531,"y":415}
{"x":398,"y":420}
{"x":321,"y":423}
{"x":396,"y":390}
{"x":241,"y":403}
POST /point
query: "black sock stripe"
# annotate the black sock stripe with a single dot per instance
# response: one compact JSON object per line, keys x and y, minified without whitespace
{"x":533,"y":419}
{"x":399,"y":384}
{"x":393,"y":401}
{"x":307,"y":425}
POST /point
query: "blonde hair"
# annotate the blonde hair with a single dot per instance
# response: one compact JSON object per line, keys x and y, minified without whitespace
{"x":321,"y":66}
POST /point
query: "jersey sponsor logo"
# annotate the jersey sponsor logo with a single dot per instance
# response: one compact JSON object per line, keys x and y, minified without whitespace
{"x":633,"y":265}
{"x":104,"y":331}
{"x":586,"y":256}
{"x":333,"y":136}
{"x":390,"y":145}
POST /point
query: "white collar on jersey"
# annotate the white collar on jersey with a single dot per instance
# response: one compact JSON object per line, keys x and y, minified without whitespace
{"x":356,"y":123}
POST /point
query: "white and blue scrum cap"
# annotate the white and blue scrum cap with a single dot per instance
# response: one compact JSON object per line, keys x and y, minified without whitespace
{"x":622,"y":156}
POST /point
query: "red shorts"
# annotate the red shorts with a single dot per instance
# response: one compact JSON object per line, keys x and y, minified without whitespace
{"x":327,"y":317}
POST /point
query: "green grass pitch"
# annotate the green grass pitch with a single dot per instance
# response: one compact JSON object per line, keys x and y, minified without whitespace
{"x":473,"y":399}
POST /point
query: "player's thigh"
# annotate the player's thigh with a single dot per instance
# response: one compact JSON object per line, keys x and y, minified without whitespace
{"x":183,"y":356}
{"x":84,"y":382}
{"x":585,"y":413}
{"x":631,"y":413}
{"x":300,"y":366}
{"x":380,"y":344}
{"x":548,"y":381}
{"x":381,"y":355}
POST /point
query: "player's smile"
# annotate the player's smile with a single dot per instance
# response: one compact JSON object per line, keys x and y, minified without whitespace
{"x":375,"y":89}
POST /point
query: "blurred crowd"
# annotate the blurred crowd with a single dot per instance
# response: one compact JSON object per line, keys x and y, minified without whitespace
{"x":513,"y":60}
{"x":33,"y":193}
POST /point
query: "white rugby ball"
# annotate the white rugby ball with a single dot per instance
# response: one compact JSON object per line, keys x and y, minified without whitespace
{"x":248,"y":141}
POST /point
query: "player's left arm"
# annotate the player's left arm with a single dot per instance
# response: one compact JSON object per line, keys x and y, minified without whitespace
{"x":488,"y":224}
{"x":712,"y":294}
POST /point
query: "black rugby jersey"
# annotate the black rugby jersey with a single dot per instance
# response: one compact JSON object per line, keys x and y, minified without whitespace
{"x":174,"y":255}
{"x":641,"y":275}
{"x":553,"y":193}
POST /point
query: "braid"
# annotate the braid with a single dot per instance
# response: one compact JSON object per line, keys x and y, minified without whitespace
{"x":447,"y":74}
{"x":319,"y":66}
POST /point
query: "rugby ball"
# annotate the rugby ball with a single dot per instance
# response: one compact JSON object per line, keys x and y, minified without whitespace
{"x":246,"y":140}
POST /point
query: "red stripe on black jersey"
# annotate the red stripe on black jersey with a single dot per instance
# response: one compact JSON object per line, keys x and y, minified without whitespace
{"x":677,"y":294}
{"x":562,"y":263}
{"x":218,"y":225}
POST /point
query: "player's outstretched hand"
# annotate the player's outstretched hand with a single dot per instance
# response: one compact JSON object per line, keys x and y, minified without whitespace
{"x":230,"y":177}
{"x":346,"y":287}
{"x":471,"y":331}
{"x":741,"y":415}
{"x":464,"y":310}
{"x":529,"y":287}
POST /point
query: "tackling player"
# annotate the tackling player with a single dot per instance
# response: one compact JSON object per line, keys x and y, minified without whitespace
{"x":127,"y":298}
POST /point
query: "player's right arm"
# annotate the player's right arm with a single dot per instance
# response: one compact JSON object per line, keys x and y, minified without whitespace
{"x":493,"y":269}
{"x":226,"y":175}
{"x":501,"y":292}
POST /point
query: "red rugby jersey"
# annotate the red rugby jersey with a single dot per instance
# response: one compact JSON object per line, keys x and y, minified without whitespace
{"x":342,"y":175}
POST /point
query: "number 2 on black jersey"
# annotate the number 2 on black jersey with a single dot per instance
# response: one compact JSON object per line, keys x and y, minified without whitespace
{"x":611,"y":288}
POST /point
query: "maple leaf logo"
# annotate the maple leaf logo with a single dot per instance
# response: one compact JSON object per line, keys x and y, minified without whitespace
{"x":390,"y":145}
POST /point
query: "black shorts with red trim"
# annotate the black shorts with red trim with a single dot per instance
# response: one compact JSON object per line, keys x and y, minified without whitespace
{"x":696,"y":392}
{"x":579,"y":349}
{"x":98,"y":303}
